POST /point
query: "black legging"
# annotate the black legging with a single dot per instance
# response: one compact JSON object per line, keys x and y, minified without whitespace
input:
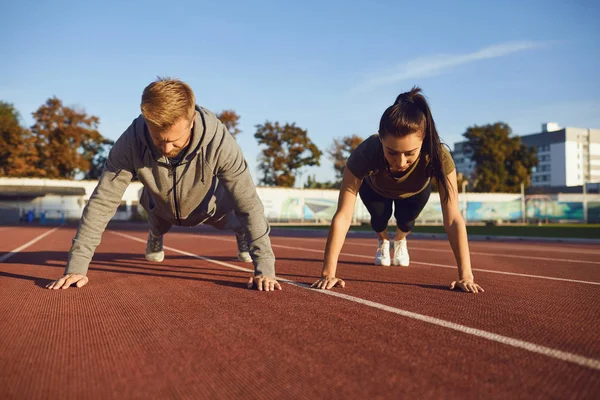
{"x":406,"y":210}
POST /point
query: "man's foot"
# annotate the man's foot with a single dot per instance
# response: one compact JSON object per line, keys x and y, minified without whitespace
{"x":154,"y":248}
{"x":401,"y":257}
{"x":382,"y":255}
{"x":243,"y":248}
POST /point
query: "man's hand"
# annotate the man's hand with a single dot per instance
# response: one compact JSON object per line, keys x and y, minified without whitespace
{"x":466,"y":285}
{"x":328,"y":282}
{"x":264,"y":283}
{"x":67,"y":280}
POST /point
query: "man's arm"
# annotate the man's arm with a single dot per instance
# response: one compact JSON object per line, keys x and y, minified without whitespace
{"x":232,"y":171}
{"x":116,"y":176}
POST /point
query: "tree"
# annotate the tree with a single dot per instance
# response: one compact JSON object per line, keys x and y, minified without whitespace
{"x":339,"y":152}
{"x":67,"y":140}
{"x":97,"y":164}
{"x":460,"y":178}
{"x":230,"y":119}
{"x":312,"y":183}
{"x":502,"y":162}
{"x":18,"y":155}
{"x":288,"y":149}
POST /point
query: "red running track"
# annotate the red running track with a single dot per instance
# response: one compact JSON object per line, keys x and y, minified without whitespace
{"x":188,"y":327}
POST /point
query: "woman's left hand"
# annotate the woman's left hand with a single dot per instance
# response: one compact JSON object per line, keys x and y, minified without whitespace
{"x":466,"y":285}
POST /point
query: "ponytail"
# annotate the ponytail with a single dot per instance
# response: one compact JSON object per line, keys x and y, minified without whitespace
{"x":410,"y":113}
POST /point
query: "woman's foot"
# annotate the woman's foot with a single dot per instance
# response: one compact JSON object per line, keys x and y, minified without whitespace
{"x":401,"y":257}
{"x":382,"y":255}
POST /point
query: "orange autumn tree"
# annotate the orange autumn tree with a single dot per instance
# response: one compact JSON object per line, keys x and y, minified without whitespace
{"x":340,"y":150}
{"x":18,"y":155}
{"x":231,"y":120}
{"x":68,"y":142}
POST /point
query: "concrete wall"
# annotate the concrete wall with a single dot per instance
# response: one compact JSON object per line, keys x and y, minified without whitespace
{"x":282,"y":204}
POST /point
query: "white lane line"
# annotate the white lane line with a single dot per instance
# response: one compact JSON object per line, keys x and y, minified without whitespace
{"x":26,"y":245}
{"x":185,"y":253}
{"x":535,"y":348}
{"x":480,"y":253}
{"x":552,"y":278}
{"x":532,"y":347}
{"x":511,"y":273}
{"x":554,"y":247}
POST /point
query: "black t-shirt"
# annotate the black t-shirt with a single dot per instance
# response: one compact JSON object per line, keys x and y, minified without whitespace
{"x":368,"y":162}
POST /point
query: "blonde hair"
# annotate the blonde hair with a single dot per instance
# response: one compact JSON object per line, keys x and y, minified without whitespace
{"x":166,"y":101}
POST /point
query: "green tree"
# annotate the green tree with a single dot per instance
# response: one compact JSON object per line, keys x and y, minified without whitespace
{"x":287,"y":150}
{"x":460,"y":178}
{"x":97,"y":164}
{"x":231,"y":120}
{"x":339,"y":152}
{"x":18,"y":154}
{"x":67,"y":140}
{"x":502,"y":162}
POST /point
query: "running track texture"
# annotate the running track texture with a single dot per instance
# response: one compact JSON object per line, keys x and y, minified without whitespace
{"x":188,"y":328}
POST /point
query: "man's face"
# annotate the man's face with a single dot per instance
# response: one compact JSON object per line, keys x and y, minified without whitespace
{"x":171,"y":141}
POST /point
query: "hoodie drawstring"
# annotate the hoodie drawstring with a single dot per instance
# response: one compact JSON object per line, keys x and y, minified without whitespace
{"x":202,"y":163}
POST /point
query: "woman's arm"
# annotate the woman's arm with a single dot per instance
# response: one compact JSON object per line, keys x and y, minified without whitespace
{"x":338,"y":230}
{"x":456,"y":229}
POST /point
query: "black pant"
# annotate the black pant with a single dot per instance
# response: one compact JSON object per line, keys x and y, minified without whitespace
{"x":406,"y":210}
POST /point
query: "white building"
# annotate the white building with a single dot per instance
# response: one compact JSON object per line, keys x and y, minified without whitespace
{"x":462,"y":159}
{"x":567,"y":156}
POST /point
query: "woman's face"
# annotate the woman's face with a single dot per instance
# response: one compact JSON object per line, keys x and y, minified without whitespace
{"x":402,"y":152}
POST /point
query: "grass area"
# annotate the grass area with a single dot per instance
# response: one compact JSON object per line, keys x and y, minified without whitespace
{"x":589,"y":231}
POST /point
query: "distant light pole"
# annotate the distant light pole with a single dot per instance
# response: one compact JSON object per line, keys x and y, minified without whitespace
{"x":464,"y":191}
{"x":585,"y":205}
{"x":523,"y":211}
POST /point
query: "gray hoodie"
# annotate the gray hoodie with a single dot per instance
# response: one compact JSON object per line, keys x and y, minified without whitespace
{"x":212,"y":168}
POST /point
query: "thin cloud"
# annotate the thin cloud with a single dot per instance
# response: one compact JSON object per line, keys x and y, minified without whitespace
{"x":437,"y":64}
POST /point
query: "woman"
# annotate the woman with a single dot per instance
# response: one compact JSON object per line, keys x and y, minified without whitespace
{"x":396,"y":166}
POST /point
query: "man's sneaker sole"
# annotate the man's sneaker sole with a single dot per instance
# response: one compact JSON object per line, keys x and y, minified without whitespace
{"x":244,"y":256}
{"x":156,"y":257}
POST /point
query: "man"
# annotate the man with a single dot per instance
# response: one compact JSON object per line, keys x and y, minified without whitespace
{"x":193,"y":172}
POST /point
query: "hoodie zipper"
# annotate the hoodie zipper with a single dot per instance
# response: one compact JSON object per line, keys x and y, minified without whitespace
{"x":173,"y":173}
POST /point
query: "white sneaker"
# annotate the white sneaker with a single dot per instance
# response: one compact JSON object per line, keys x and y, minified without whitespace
{"x":401,"y":257}
{"x":154,"y":248}
{"x":382,"y":256}
{"x":243,"y":248}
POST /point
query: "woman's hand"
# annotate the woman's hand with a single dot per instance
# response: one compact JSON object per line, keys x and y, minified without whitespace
{"x":466,"y":285}
{"x":328,"y":282}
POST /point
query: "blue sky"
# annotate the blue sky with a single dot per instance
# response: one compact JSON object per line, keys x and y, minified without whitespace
{"x":332,"y":67}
